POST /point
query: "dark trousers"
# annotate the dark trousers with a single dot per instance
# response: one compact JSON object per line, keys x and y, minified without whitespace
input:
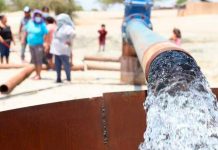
{"x":65,"y":61}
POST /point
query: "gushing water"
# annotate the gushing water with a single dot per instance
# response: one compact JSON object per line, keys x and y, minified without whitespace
{"x":182,"y":112}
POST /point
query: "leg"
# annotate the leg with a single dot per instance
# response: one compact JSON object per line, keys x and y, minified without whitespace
{"x":44,"y":60}
{"x":67,"y":67}
{"x":7,"y":59}
{"x":1,"y":59}
{"x":103,"y":47}
{"x":38,"y":72}
{"x":33,"y":58}
{"x":23,"y":48}
{"x":37,"y":55}
{"x":7,"y":55}
{"x":58,"y":65}
{"x":99,"y":48}
{"x":49,"y":59}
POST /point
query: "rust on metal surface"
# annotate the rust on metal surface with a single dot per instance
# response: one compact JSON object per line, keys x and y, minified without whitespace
{"x":131,"y":71}
{"x":126,"y":119}
{"x":71,"y":125}
{"x":8,"y":86}
{"x":154,"y":50}
{"x":102,"y":58}
{"x":116,"y":121}
{"x":128,"y":50}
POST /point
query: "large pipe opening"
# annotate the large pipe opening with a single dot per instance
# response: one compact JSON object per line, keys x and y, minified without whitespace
{"x":4,"y":88}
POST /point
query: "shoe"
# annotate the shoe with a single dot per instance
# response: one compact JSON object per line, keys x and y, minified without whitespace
{"x":58,"y":81}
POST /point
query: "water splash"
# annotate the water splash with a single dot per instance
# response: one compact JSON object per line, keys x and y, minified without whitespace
{"x":182,"y":112}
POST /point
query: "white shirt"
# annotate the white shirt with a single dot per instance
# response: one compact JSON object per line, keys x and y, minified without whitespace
{"x":62,"y":36}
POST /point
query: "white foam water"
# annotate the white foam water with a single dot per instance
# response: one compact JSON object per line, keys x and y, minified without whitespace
{"x":183,"y":119}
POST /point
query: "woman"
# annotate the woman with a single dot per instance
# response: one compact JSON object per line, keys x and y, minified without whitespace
{"x":35,"y":30}
{"x":5,"y":39}
{"x":61,"y":45}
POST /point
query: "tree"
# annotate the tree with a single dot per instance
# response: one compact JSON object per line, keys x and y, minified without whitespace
{"x":59,"y":6}
{"x":179,"y":2}
{"x":111,"y":1}
{"x":2,"y":5}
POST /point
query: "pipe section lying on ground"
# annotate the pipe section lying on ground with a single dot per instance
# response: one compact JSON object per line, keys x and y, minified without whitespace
{"x":12,"y":66}
{"x":102,"y":58}
{"x":16,"y":80}
{"x":77,"y":68}
{"x":95,"y":65}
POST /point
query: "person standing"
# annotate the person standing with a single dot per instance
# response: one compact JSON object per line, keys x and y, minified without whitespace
{"x":51,"y":26}
{"x":24,"y":21}
{"x":45,"y":12}
{"x":62,"y":44}
{"x":6,"y":37}
{"x":102,"y":38}
{"x":35,"y":31}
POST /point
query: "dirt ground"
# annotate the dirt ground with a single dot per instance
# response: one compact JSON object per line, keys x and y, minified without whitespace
{"x":200,"y":38}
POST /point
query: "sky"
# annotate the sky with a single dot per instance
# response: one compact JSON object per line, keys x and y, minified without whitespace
{"x":89,"y":4}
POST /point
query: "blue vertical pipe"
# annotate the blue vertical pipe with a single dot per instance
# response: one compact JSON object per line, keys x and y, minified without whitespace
{"x":141,"y":37}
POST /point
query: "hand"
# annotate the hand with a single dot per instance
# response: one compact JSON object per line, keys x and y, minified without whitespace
{"x":68,"y":43}
{"x":1,"y":39}
{"x":46,"y":47}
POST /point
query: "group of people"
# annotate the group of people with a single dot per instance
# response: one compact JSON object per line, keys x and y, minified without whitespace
{"x":46,"y":37}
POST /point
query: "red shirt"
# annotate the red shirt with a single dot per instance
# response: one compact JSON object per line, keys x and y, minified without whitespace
{"x":102,"y":35}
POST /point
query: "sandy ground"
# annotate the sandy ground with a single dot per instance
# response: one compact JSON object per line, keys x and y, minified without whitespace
{"x":200,"y":38}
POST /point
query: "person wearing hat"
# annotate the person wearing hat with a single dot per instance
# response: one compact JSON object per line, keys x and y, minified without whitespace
{"x":23,"y":23}
{"x":35,"y":31}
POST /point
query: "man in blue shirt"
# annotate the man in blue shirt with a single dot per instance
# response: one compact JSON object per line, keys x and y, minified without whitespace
{"x":35,"y":31}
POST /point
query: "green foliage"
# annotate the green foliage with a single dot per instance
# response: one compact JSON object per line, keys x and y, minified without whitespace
{"x":59,"y":6}
{"x":111,"y":1}
{"x":2,"y":5}
{"x":179,"y":2}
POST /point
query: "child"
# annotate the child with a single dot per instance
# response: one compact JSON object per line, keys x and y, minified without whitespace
{"x":102,"y":37}
{"x":51,"y":26}
{"x":35,"y":31}
{"x":6,"y":38}
{"x":61,"y":45}
{"x":176,"y":38}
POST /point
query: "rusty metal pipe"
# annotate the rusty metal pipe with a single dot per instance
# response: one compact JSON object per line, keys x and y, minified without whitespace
{"x":148,"y":45}
{"x":102,"y":58}
{"x":97,"y":65}
{"x":16,"y":80}
{"x":12,"y":66}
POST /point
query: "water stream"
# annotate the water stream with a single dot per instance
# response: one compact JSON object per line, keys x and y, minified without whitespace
{"x":182,"y":111}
